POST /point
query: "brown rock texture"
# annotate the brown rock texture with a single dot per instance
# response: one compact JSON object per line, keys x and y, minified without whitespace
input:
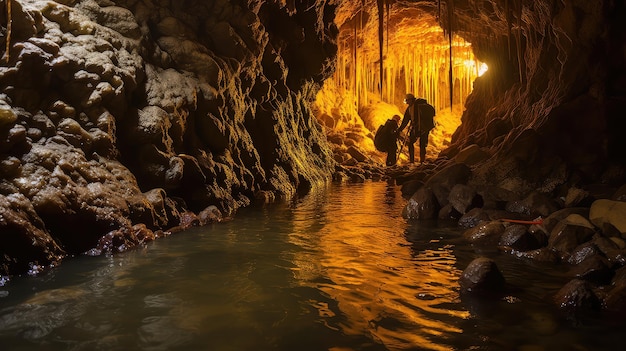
{"x":121,"y":119}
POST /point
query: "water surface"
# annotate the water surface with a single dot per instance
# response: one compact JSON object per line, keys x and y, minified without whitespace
{"x":337,"y":270}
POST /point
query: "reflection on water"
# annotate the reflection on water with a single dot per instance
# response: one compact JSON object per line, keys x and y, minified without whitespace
{"x":357,"y":254}
{"x":338,"y":270}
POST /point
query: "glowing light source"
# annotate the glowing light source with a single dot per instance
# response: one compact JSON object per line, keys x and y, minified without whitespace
{"x":482,"y":69}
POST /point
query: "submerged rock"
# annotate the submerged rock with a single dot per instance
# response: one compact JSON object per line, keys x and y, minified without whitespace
{"x":577,"y":296}
{"x":482,"y":276}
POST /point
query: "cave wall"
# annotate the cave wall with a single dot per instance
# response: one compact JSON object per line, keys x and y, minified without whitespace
{"x":550,"y":108}
{"x":121,"y":119}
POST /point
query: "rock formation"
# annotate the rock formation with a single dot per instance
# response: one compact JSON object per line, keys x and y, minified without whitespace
{"x":122,"y":119}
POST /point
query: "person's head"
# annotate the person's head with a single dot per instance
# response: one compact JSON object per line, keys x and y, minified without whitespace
{"x":396,"y":118}
{"x":409,"y":98}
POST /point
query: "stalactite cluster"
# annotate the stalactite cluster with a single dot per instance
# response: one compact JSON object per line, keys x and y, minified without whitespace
{"x":414,"y":55}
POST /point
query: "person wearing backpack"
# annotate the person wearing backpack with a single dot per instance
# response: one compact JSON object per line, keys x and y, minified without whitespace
{"x":420,"y":115}
{"x":385,"y":139}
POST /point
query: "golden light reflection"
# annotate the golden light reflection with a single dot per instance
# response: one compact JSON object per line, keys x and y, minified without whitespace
{"x":385,"y":287}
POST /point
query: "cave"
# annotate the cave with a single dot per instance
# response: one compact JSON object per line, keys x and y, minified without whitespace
{"x":126,"y":121}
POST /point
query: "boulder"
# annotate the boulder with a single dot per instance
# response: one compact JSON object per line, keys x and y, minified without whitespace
{"x":569,"y":233}
{"x":422,"y":205}
{"x":463,"y":198}
{"x":577,"y":296}
{"x":444,"y":180}
{"x":518,"y":238}
{"x":609,"y":216}
{"x":471,"y":155}
{"x":485,"y":232}
{"x":482,"y":276}
{"x":540,"y":255}
{"x":593,"y":269}
{"x":535,"y":204}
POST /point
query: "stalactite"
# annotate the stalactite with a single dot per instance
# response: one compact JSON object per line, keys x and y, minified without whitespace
{"x":451,"y":82}
{"x":508,"y":25}
{"x":381,"y":16}
{"x":388,"y":9}
{"x":8,"y":39}
{"x":354,"y":60}
{"x":519,"y":40}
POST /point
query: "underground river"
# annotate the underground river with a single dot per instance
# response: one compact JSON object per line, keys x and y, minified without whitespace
{"x":339,"y":269}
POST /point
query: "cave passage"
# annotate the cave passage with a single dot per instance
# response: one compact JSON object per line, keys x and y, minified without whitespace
{"x":418,"y":57}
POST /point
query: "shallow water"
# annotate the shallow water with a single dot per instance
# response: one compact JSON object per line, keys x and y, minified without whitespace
{"x":337,"y":270}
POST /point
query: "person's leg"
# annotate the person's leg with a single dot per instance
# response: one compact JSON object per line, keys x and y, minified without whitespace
{"x":423,"y":145}
{"x":393,"y":155}
{"x":412,"y":140}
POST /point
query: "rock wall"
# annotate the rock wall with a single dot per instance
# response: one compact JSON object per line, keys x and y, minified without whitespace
{"x":550,"y":108}
{"x":122,"y":119}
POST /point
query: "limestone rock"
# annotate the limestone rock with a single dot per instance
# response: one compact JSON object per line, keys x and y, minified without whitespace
{"x":518,"y":238}
{"x":482,"y":276}
{"x":463,"y":198}
{"x":577,"y":296}
{"x":485,"y":232}
{"x":609,"y":215}
{"x":422,"y":205}
{"x":569,"y":233}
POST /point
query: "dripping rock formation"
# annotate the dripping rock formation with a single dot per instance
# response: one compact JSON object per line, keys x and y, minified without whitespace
{"x":120,"y":120}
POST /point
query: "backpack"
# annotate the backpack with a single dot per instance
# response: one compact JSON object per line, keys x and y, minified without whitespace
{"x":426,"y":114}
{"x":384,"y":137}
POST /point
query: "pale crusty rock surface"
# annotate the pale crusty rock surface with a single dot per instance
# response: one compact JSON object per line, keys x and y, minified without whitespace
{"x":121,"y":119}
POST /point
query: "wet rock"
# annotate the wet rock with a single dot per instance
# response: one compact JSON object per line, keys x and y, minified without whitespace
{"x":612,"y":248}
{"x":209,"y":215}
{"x":495,"y":197}
{"x":535,"y":204}
{"x":569,"y":233}
{"x":422,"y":205}
{"x":575,"y":197}
{"x":471,"y":155}
{"x":577,"y":296}
{"x":594,"y":269}
{"x":582,"y":252}
{"x":554,"y":218}
{"x":539,"y":255}
{"x":473,"y":218}
{"x":445,"y":179}
{"x":518,"y":238}
{"x":357,"y":154}
{"x":485,"y":233}
{"x":615,"y":300}
{"x":25,"y":241}
{"x":620,"y":194}
{"x":409,"y":187}
{"x":475,"y":215}
{"x":189,"y":219}
{"x":609,"y":216}
{"x":482,"y":276}
{"x":463,"y":198}
{"x":448,"y":212}
{"x":619,"y":278}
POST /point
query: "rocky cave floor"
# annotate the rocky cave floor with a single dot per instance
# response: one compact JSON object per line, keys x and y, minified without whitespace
{"x":582,"y":227}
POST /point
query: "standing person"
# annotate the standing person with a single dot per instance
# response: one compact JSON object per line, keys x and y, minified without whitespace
{"x":419,"y":113}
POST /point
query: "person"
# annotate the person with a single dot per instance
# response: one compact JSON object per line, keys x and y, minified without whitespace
{"x":420,"y":114}
{"x":392,"y":148}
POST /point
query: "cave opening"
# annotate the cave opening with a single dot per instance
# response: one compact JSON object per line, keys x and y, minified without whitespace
{"x":384,"y":53}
